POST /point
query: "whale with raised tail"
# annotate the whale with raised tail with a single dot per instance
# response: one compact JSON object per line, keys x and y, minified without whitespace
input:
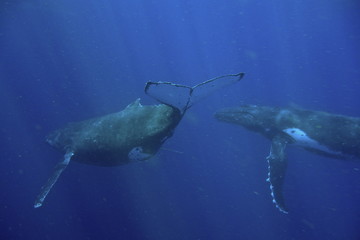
{"x":133,"y":134}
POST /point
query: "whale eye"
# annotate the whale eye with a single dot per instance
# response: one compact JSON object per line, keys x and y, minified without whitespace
{"x":292,"y":131}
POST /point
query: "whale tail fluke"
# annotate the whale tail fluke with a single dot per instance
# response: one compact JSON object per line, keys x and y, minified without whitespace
{"x":183,"y":97}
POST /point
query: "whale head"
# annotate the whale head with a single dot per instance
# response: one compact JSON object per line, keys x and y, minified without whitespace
{"x":256,"y":118}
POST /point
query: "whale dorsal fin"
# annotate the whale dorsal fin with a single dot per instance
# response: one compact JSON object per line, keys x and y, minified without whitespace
{"x":134,"y":104}
{"x":183,"y":97}
{"x":277,"y":169}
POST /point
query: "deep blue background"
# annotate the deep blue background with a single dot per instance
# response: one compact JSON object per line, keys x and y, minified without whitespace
{"x":63,"y":61}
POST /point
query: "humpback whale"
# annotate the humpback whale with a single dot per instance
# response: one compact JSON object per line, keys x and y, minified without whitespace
{"x":330,"y":135}
{"x":133,"y":134}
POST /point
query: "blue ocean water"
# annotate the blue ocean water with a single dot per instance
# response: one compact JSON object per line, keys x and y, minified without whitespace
{"x":66,"y":61}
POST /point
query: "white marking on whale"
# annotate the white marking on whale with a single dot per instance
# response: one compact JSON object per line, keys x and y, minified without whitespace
{"x":138,"y":154}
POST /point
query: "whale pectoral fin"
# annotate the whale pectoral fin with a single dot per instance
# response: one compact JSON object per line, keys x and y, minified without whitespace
{"x":59,"y":168}
{"x":277,"y":168}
